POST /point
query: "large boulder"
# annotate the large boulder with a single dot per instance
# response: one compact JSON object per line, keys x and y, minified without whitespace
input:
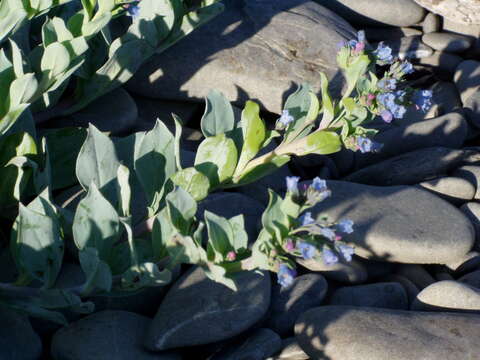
{"x":254,"y":50}
{"x":459,"y":11}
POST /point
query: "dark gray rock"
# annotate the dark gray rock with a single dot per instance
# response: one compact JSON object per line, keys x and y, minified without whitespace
{"x":260,"y":345}
{"x":452,"y":189}
{"x":441,"y":63}
{"x":470,"y":262}
{"x":350,"y":272}
{"x":354,"y":333}
{"x":416,"y":274}
{"x":199,"y":311}
{"x":449,"y":130}
{"x":409,"y":47}
{"x":410,"y":168}
{"x":451,"y":296}
{"x":472,"y":279}
{"x":376,"y":12}
{"x":410,"y":288}
{"x":254,"y":50}
{"x":289,"y":303}
{"x":232,"y":204}
{"x":18,"y":341}
{"x":376,"y":269}
{"x":431,"y":23}
{"x":461,"y":11}
{"x":382,"y":295}
{"x":290,"y":351}
{"x":471,"y":174}
{"x":115,"y":112}
{"x":466,"y":78}
{"x":105,"y":335}
{"x":452,"y":43}
{"x":472,"y":211}
{"x":399,"y":223}
{"x":376,"y":34}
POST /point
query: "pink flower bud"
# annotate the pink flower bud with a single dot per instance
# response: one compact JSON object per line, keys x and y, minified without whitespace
{"x":231,"y":256}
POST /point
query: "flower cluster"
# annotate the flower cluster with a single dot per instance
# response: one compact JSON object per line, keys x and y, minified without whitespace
{"x":133,"y":9}
{"x":312,"y":238}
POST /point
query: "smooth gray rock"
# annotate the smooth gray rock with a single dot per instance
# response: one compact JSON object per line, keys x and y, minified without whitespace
{"x":472,"y":211}
{"x":376,"y":12}
{"x":376,"y":269}
{"x":452,"y":189}
{"x":290,"y":351}
{"x":260,"y":345}
{"x":466,"y":78}
{"x":459,"y":28}
{"x":416,"y":274}
{"x":449,"y":130}
{"x":409,"y":47}
{"x":410,"y":288}
{"x":472,"y":174}
{"x":114,"y":112}
{"x":472,"y":110}
{"x":231,"y":204}
{"x":472,"y":279}
{"x":460,"y":11}
{"x":287,"y":304}
{"x":409,"y":168}
{"x":441,"y":63}
{"x":452,"y":43}
{"x":470,"y":262}
{"x":379,"y":295}
{"x":442,"y":275}
{"x":18,"y":341}
{"x":376,"y":34}
{"x":354,"y":333}
{"x":105,"y":335}
{"x":199,"y":311}
{"x":451,"y":296}
{"x":254,"y":50}
{"x":399,"y":223}
{"x":431,"y":23}
{"x":350,"y":272}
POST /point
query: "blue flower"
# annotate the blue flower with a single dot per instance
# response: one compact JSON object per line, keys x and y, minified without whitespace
{"x":133,"y":10}
{"x":328,"y":233}
{"x":292,"y":184}
{"x":286,"y":118}
{"x":308,"y":250}
{"x":387,"y":84}
{"x":319,"y":184}
{"x":387,"y":116}
{"x":406,"y":68}
{"x":399,"y":111}
{"x":329,"y":257}
{"x":387,"y":100}
{"x":285,"y":275}
{"x":307,"y":219}
{"x":423,"y":100}
{"x":383,"y":54}
{"x":346,"y":251}
{"x":345,"y":226}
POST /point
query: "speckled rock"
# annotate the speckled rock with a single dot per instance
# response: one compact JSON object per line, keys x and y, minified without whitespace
{"x":105,"y":335}
{"x":254,"y":50}
{"x":452,"y":43}
{"x":399,"y":223}
{"x":380,"y":334}
{"x":472,"y":211}
{"x":198,"y":311}
{"x":448,"y":296}
{"x":376,"y":12}
{"x":461,"y":11}
{"x":287,"y":304}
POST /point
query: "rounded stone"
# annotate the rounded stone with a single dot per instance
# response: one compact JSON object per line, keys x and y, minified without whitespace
{"x":350,"y":272}
{"x":411,"y":289}
{"x":431,"y":23}
{"x":376,"y":12}
{"x":356,"y":333}
{"x":17,"y":339}
{"x":472,"y":279}
{"x":466,"y":78}
{"x":472,"y":211}
{"x":460,"y":11}
{"x":382,"y":295}
{"x":470,"y":173}
{"x":453,"y":189}
{"x":399,"y":223}
{"x":254,"y":50}
{"x":287,"y":304}
{"x":442,"y":63}
{"x":105,"y":335}
{"x":470,"y":262}
{"x":450,"y":296}
{"x":376,"y":34}
{"x":416,"y":274}
{"x":198,"y":311}
{"x":452,"y":43}
{"x":290,"y":351}
{"x":408,"y":47}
